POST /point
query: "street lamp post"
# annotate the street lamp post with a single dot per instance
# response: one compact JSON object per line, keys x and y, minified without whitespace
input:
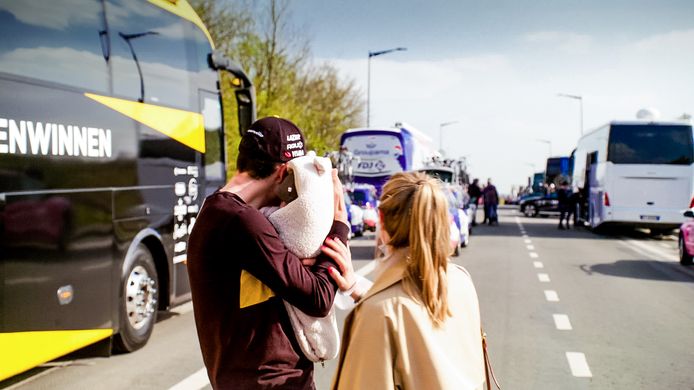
{"x":368,"y":79}
{"x":441,"y":126}
{"x":580,"y":101}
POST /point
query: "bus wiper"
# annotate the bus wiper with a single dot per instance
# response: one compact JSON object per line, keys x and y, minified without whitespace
{"x":128,"y":38}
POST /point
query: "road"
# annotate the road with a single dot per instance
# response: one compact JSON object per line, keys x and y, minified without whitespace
{"x":562,"y":309}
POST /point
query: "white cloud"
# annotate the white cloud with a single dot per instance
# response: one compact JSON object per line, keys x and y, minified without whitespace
{"x":567,"y":42}
{"x":56,"y":15}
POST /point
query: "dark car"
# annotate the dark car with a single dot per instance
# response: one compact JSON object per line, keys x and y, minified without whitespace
{"x":535,"y":204}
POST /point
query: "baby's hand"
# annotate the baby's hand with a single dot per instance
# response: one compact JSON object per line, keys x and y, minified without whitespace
{"x":308,"y":262}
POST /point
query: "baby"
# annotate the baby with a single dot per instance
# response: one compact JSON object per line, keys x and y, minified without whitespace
{"x":303,"y":220}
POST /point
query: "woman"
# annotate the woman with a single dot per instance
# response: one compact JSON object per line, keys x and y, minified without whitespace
{"x":418,"y":326}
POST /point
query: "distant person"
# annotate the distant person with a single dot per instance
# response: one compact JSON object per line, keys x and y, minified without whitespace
{"x":240,"y":271}
{"x":418,"y":326}
{"x":475,"y":193}
{"x":563,"y":196}
{"x":491,"y":203}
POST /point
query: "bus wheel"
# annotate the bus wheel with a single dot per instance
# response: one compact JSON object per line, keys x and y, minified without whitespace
{"x":138,"y":302}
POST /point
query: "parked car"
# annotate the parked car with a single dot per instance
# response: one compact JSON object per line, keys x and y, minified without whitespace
{"x":356,"y":217}
{"x":459,"y":217}
{"x":532,"y":206}
{"x":364,"y":196}
{"x":686,"y":239}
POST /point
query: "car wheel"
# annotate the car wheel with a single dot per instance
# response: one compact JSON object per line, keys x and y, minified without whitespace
{"x":531,"y":211}
{"x":138,"y":301}
{"x":685,"y":257}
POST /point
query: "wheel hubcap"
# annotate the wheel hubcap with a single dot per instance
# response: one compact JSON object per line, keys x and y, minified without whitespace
{"x":140,"y":297}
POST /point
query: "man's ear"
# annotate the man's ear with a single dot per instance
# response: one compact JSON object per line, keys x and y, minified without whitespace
{"x":282,"y":171}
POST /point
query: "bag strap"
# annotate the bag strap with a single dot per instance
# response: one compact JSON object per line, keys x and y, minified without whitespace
{"x":488,"y":370}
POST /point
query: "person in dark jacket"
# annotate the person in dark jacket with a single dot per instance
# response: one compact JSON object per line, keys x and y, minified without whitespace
{"x":565,"y":204}
{"x":491,"y":203}
{"x":240,"y":270}
{"x":475,"y":193}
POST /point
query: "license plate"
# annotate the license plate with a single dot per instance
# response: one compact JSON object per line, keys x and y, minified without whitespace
{"x":650,"y":218}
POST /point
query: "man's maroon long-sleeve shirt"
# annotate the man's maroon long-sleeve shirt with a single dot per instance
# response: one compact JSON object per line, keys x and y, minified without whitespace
{"x":240,"y":271}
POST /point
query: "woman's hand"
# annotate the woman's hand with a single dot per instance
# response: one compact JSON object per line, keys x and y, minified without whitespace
{"x":339,"y":252}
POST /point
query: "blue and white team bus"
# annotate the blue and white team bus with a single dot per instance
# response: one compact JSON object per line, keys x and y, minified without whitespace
{"x":382,"y":152}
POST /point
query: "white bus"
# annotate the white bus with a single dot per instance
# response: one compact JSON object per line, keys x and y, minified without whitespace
{"x":636,"y":173}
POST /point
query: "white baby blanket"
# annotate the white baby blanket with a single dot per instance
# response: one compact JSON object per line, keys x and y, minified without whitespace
{"x":303,"y":225}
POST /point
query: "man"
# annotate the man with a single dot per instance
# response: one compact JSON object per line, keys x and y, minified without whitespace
{"x":475,"y":193}
{"x":565,"y":204}
{"x":491,"y":202}
{"x":240,"y":271}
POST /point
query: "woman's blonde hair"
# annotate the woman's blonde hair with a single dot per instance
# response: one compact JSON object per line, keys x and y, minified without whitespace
{"x":415,"y":214}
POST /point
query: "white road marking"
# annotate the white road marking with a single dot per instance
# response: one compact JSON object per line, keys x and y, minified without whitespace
{"x":543,"y":278}
{"x":194,"y":382}
{"x":538,"y":264}
{"x":551,"y":296}
{"x":528,"y":241}
{"x":561,"y":321}
{"x":650,"y":251}
{"x":578,"y":364}
{"x":534,"y":255}
{"x":530,"y":247}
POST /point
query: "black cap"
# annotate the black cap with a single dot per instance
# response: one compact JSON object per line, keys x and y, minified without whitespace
{"x":277,"y":138}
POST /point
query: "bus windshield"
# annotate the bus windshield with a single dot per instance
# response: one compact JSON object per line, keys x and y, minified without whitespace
{"x":650,"y":144}
{"x":378,"y":154}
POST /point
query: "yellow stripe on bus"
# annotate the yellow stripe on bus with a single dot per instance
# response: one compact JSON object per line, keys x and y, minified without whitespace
{"x":184,"y":10}
{"x":184,"y":126}
{"x":20,"y":351}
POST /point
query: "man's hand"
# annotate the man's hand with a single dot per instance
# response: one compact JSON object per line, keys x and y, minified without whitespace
{"x":339,"y":199}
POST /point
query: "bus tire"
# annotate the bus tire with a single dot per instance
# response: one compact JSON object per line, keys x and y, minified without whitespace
{"x":138,"y":301}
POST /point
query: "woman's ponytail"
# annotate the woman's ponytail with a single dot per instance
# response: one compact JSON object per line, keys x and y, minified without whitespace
{"x":415,"y":214}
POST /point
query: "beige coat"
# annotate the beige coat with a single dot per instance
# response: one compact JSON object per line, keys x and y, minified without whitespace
{"x":390,"y":342}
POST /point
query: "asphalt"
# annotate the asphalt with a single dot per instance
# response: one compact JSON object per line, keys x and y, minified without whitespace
{"x":627,"y":300}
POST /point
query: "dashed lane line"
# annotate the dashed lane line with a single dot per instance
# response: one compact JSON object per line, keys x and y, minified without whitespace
{"x":544,"y":278}
{"x":194,"y":382}
{"x":538,"y":264}
{"x":533,"y":255}
{"x":561,"y":321}
{"x":578,"y":364}
{"x":528,"y":241}
{"x":551,"y":296}
{"x":530,"y":247}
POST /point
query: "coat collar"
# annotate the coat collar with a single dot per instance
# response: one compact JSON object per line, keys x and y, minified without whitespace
{"x":394,"y":273}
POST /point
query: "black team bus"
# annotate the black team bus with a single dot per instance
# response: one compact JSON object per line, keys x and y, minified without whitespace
{"x":111,"y":136}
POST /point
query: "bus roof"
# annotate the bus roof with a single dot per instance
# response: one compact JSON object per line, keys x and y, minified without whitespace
{"x":639,"y":122}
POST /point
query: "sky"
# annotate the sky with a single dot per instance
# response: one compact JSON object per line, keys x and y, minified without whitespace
{"x":496,"y":67}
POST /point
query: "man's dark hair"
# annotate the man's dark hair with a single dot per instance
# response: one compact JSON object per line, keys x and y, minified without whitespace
{"x":257,"y":165}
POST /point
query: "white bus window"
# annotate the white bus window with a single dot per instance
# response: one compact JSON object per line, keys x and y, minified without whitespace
{"x":650,"y":144}
{"x":55,"y":41}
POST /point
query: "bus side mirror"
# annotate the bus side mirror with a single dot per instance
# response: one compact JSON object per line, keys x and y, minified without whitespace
{"x":245,"y":93}
{"x":689,"y":214}
{"x":246,"y":108}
